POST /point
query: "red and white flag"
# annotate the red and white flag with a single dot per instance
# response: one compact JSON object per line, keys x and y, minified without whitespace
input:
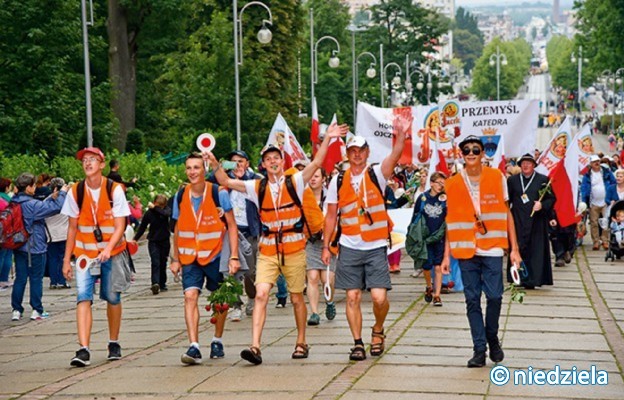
{"x":498,"y":159}
{"x":282,"y":137}
{"x":315,"y":130}
{"x":437,"y":163}
{"x":556,"y":148}
{"x":336,"y":151}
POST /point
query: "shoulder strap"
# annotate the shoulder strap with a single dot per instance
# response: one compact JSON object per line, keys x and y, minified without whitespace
{"x":292,"y":192}
{"x":373,"y":177}
{"x":180,"y":195}
{"x":339,"y":183}
{"x":215,"y":195}
{"x":109,"y":190}
{"x":262,"y":192}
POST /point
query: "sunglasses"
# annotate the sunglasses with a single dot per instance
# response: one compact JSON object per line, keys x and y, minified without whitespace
{"x":476,"y":150}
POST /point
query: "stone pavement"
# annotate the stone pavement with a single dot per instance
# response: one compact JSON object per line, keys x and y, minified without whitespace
{"x":577,"y":323}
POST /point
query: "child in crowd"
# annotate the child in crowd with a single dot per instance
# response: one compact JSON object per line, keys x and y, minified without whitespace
{"x":617,"y":227}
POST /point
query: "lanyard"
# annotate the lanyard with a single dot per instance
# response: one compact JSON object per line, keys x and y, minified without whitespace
{"x":524,"y":188}
{"x":198,"y":218}
{"x":362,"y":187}
{"x":473,"y":194}
{"x":277,"y":201}
{"x":94,"y":209}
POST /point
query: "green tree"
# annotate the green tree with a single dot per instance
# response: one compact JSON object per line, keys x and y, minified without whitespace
{"x":467,"y":47}
{"x":464,"y":20}
{"x":518,"y":53}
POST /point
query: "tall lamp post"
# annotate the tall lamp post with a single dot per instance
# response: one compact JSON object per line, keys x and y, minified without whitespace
{"x":264,"y":37}
{"x":497,"y":59}
{"x":370,"y":73}
{"x":396,"y":81}
{"x":87,"y":68}
{"x":354,"y":66}
{"x":609,"y":77}
{"x":334,"y":61}
{"x":581,"y":60}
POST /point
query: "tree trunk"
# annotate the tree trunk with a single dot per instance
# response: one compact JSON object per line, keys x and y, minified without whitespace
{"x":121,"y":71}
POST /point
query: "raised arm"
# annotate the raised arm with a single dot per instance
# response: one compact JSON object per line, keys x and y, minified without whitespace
{"x":402,"y":123}
{"x":221,"y":176}
{"x":333,"y":131}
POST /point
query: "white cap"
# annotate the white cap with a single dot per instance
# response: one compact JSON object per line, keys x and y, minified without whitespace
{"x":593,"y":158}
{"x":357,"y":141}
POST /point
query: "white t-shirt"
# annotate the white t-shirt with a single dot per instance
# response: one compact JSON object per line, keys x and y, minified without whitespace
{"x":598,"y":190}
{"x":355,"y":241}
{"x":120,"y":205}
{"x":274,"y":188}
{"x":238,"y":205}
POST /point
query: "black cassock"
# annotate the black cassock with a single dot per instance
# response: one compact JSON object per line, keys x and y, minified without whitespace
{"x":532,"y":232}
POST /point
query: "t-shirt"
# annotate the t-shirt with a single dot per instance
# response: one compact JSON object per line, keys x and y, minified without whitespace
{"x":238,"y":205}
{"x":224,"y":200}
{"x":120,"y":205}
{"x":355,"y":241}
{"x":598,"y":190}
{"x":274,"y":188}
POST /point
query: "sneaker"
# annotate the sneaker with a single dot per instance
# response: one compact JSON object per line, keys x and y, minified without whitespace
{"x":330,"y":310}
{"x":428,"y":294}
{"x":281,"y":302}
{"x":82,"y":358}
{"x":437,"y":302}
{"x":249,"y":307}
{"x":477,"y":360}
{"x":36,"y":315}
{"x":54,"y":286}
{"x":314,"y":319}
{"x":63,"y":286}
{"x":16,"y":315}
{"x":155,"y":288}
{"x":236,"y":314}
{"x":192,"y":356}
{"x":560,"y":263}
{"x":567,"y":257}
{"x":114,"y":351}
{"x":415,"y":275}
{"x":216,"y":350}
{"x":496,"y":352}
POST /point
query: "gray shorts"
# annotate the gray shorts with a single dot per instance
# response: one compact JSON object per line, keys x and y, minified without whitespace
{"x":314,"y":251}
{"x":362,"y":269}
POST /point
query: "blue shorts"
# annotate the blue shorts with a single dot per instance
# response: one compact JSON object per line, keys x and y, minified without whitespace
{"x":435,"y":253}
{"x":194,"y":275}
{"x":85,"y":284}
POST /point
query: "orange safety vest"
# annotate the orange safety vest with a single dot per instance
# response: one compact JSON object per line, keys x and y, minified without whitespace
{"x":85,"y":238}
{"x":369,"y":218}
{"x":463,"y":234}
{"x":199,"y":240}
{"x":282,"y":224}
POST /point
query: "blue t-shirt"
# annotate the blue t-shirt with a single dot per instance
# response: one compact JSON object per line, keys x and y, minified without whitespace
{"x":224,"y":199}
{"x":434,"y":210}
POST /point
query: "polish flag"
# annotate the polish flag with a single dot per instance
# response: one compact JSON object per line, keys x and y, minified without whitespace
{"x":315,"y":130}
{"x":437,"y":163}
{"x":556,"y":148}
{"x":336,"y":151}
{"x":498,"y":159}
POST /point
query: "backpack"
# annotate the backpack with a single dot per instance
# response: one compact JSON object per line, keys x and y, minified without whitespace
{"x":13,"y":234}
{"x":81,"y":190}
{"x":293,"y":195}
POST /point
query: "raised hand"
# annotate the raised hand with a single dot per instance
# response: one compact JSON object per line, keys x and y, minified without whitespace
{"x":402,"y":122}
{"x":335,"y":130}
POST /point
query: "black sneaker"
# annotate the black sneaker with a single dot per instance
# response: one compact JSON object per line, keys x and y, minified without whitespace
{"x":192,"y":356}
{"x":82,"y":358}
{"x":281,"y":302}
{"x":477,"y":360}
{"x":216,"y":350}
{"x":496,"y":352}
{"x":114,"y":351}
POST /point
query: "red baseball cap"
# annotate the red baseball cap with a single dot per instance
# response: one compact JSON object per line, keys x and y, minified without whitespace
{"x":93,"y":150}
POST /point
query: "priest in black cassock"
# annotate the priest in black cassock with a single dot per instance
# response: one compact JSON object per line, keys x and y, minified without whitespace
{"x":532,"y":231}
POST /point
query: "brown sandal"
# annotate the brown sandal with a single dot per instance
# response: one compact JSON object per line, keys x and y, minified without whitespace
{"x":301,"y":351}
{"x":358,"y":353}
{"x":252,"y":354}
{"x":377,"y":349}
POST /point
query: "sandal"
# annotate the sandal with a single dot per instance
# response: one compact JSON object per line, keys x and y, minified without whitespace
{"x":358,"y":353}
{"x":377,"y":349}
{"x":301,"y":351}
{"x":252,"y":354}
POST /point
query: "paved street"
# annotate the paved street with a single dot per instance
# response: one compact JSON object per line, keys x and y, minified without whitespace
{"x":576,"y":323}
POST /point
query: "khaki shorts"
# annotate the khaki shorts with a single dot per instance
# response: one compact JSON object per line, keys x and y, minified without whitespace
{"x":268,"y":269}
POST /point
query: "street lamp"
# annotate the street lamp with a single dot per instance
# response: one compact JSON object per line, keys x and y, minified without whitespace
{"x":581,"y":60}
{"x":87,"y":69}
{"x":396,"y":81}
{"x":370,"y":73}
{"x":609,"y":77}
{"x":408,"y":79}
{"x":429,"y":59}
{"x":334,"y":61}
{"x":354,"y":66}
{"x":264,"y":37}
{"x":495,"y":59}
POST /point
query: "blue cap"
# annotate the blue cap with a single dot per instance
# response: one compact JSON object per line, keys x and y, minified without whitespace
{"x":239,"y":153}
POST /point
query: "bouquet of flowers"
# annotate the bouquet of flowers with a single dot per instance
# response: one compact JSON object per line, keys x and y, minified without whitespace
{"x":228,"y":293}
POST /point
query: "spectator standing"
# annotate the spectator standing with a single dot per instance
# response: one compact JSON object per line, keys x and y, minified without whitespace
{"x":594,"y":193}
{"x":57,"y":226}
{"x":6,"y":255}
{"x":116,"y":177}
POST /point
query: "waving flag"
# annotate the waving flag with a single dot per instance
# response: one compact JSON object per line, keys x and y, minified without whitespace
{"x":498,"y":160}
{"x":556,"y":148}
{"x":335,"y":151}
{"x":315,"y":130}
{"x":282,"y":137}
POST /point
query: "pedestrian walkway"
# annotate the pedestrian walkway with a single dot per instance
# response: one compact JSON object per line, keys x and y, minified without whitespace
{"x":576,"y":324}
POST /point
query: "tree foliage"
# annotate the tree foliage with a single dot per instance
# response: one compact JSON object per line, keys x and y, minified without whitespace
{"x":518,"y":53}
